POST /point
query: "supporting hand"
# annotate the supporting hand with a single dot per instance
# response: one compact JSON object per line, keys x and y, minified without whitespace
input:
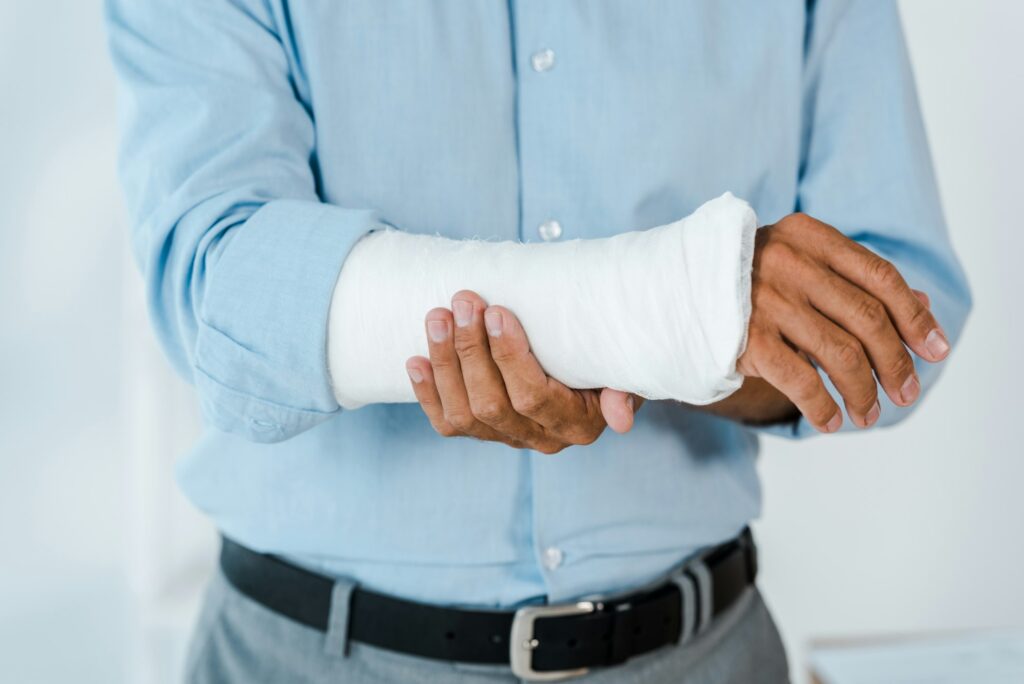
{"x":482,"y":381}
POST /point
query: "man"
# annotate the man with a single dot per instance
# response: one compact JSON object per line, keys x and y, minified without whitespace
{"x":264,"y":138}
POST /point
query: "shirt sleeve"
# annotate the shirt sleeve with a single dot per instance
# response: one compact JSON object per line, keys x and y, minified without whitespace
{"x":238,"y":253}
{"x":866,"y":167}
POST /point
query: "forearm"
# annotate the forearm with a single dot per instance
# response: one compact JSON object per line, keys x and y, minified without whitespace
{"x":755,"y":403}
{"x":239,"y":252}
{"x":660,"y":313}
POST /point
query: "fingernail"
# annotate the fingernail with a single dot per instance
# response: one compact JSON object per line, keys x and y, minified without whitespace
{"x":910,"y":390}
{"x":463,"y":311}
{"x":414,"y":374}
{"x":872,"y":416}
{"x":629,"y":402}
{"x":936,"y":344}
{"x":835,"y":423}
{"x":493,"y":323}
{"x":438,"y":330}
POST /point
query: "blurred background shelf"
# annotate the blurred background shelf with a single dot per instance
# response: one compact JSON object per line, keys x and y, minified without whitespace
{"x":984,"y":657}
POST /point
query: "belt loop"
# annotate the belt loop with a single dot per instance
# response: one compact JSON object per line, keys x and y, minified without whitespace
{"x":688,"y":606}
{"x":336,"y":640}
{"x":700,"y":572}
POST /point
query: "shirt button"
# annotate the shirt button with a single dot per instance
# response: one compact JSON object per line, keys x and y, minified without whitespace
{"x":550,"y":230}
{"x":543,"y":60}
{"x":552,"y":557}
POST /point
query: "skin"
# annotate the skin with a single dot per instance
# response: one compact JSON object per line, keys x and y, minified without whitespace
{"x":818,"y":299}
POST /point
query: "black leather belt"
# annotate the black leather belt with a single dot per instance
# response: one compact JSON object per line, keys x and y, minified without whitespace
{"x":538,"y":642}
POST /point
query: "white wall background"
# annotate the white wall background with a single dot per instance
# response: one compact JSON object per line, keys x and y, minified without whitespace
{"x":920,"y":527}
{"x":917,"y":528}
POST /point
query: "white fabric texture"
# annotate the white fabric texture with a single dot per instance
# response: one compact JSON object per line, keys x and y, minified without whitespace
{"x":661,"y":312}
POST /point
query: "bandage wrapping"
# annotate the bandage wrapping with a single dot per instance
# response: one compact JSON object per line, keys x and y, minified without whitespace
{"x":661,"y":312}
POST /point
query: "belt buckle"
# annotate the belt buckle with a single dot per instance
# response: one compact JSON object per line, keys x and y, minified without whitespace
{"x":522,"y":642}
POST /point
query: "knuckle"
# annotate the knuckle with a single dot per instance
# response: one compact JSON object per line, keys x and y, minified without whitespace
{"x":466,"y":345}
{"x":444,"y":362}
{"x":764,"y":297}
{"x":502,"y":353}
{"x":805,"y":222}
{"x":783,"y":365}
{"x":444,"y":429}
{"x":798,"y":220}
{"x":586,"y":437}
{"x":459,"y":419}
{"x":848,"y":355}
{"x":549,"y":447}
{"x":921,"y":320}
{"x":777,"y":251}
{"x":490,"y":409}
{"x":530,"y":403}
{"x":871,"y":314}
{"x":884,"y":273}
{"x":901,"y":366}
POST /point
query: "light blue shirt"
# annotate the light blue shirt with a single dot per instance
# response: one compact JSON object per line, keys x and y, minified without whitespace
{"x":262,"y":138}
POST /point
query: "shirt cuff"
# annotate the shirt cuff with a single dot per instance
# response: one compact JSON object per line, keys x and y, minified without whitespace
{"x":261,"y":357}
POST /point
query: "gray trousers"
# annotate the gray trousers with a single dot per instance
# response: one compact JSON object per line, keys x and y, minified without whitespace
{"x":238,"y":640}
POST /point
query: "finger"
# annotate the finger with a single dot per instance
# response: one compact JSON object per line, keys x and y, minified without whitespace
{"x":485,"y":387}
{"x":842,"y":357}
{"x":880,"y":278}
{"x":448,"y":377}
{"x":867,"y":319}
{"x":923,"y":296}
{"x":619,"y":408}
{"x":569,"y":414}
{"x":422,"y":378}
{"x":773,"y":360}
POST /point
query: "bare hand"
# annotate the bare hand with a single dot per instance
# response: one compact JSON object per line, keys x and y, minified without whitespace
{"x":819,"y":296}
{"x":482,"y":381}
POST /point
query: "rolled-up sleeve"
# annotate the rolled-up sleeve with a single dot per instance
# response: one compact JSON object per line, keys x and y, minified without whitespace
{"x":866,"y":166}
{"x":238,"y":252}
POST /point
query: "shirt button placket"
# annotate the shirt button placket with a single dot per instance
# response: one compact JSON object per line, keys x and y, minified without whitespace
{"x":539,"y":92}
{"x":541,"y":61}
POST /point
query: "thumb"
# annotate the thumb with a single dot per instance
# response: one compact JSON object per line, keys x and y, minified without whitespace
{"x":618,"y":409}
